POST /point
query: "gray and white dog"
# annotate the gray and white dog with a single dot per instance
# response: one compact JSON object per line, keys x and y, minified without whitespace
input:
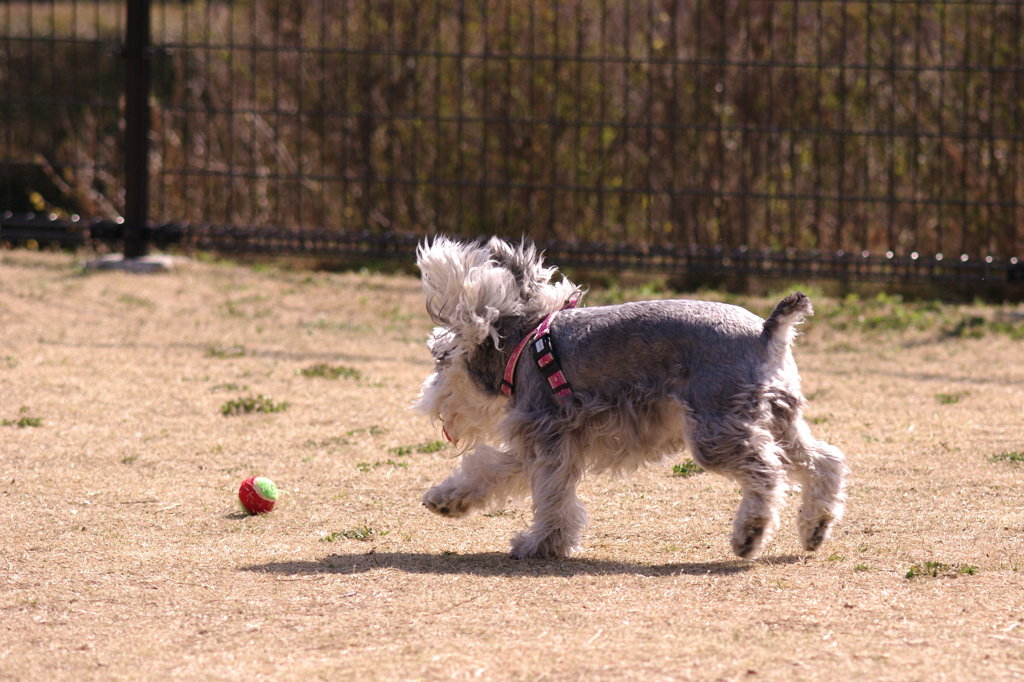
{"x":608,"y":389}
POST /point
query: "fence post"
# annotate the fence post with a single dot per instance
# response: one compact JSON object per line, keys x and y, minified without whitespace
{"x":137,"y":53}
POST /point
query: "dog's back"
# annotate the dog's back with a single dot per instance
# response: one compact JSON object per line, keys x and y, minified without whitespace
{"x":667,"y":344}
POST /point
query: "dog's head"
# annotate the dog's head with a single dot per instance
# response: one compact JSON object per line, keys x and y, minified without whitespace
{"x":483,"y":297}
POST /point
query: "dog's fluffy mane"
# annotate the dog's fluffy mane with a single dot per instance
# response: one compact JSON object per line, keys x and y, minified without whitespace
{"x":484,"y":297}
{"x":475,"y":290}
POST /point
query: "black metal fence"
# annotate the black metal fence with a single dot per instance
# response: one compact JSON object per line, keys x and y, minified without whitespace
{"x":828,"y":138}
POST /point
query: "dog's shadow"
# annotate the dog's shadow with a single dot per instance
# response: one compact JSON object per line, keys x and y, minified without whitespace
{"x":499,"y":564}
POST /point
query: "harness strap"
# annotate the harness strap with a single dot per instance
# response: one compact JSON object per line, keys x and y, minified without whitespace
{"x":508,"y":379}
{"x":547,"y":361}
{"x":543,"y":355}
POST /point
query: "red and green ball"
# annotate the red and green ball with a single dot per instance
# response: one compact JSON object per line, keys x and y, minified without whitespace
{"x":257,"y":494}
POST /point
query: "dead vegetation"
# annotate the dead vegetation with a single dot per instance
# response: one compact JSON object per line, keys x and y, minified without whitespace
{"x":123,"y":555}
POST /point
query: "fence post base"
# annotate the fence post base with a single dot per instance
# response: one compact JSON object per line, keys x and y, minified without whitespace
{"x":141,"y":265}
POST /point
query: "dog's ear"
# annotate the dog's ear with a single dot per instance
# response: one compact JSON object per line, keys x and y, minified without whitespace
{"x":541,"y":288}
{"x":465,"y":289}
{"x":430,"y":257}
{"x":523,"y":263}
{"x":444,"y":265}
{"x":502,"y":252}
{"x":472,"y":288}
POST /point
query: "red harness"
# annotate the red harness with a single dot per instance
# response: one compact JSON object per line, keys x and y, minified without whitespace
{"x":543,"y":355}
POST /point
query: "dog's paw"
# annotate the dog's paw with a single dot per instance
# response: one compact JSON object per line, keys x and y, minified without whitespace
{"x":551,"y":546}
{"x":814,"y":532}
{"x":749,"y":537}
{"x":443,"y":501}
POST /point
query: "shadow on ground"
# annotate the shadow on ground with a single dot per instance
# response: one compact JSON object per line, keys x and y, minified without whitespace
{"x":499,"y":564}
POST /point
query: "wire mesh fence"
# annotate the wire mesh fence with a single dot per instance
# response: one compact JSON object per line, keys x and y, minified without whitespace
{"x":856,"y":138}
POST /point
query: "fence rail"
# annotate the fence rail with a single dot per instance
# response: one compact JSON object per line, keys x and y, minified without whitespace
{"x":843,"y":139}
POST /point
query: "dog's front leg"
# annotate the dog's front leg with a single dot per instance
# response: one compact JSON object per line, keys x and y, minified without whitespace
{"x":558,"y":515}
{"x":486,"y":476}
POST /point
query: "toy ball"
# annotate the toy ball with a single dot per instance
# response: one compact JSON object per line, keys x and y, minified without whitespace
{"x":257,"y":494}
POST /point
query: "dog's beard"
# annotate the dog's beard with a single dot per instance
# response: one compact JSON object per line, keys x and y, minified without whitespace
{"x":467,"y":414}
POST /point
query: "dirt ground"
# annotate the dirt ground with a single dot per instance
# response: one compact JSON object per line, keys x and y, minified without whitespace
{"x":123,"y":554}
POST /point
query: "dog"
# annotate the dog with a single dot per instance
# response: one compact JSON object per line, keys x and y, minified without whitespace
{"x":536,"y":391}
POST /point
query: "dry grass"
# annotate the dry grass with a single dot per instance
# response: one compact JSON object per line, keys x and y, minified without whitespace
{"x":122,"y":555}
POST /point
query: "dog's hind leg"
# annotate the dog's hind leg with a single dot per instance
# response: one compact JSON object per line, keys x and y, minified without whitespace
{"x":758,"y":513}
{"x":486,"y":476}
{"x":752,"y":460}
{"x":558,"y":514}
{"x":821,"y":470}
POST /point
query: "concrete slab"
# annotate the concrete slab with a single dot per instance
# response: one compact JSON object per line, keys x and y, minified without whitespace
{"x":144,"y":265}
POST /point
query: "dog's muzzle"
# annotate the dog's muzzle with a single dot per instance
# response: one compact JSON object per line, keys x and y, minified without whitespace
{"x":447,"y":437}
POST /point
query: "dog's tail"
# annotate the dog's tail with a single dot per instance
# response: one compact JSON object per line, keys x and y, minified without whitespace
{"x":780,"y":327}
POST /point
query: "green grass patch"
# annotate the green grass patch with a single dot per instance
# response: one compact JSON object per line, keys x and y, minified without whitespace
{"x":936,"y":569}
{"x":1015,"y":456}
{"x":24,"y":420}
{"x":976,"y":327}
{"x":884,"y":312}
{"x":219,"y":351}
{"x":615,"y":292}
{"x":426,"y":447}
{"x":252,"y":403}
{"x":892,"y":313}
{"x":229,"y":386}
{"x":951,"y":398}
{"x":247,"y":307}
{"x":368,"y":466}
{"x":374,"y":430}
{"x":136,"y":301}
{"x":687,"y":469}
{"x":331,"y":442}
{"x":363,"y":533}
{"x":324,"y":371}
{"x":968,"y":327}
